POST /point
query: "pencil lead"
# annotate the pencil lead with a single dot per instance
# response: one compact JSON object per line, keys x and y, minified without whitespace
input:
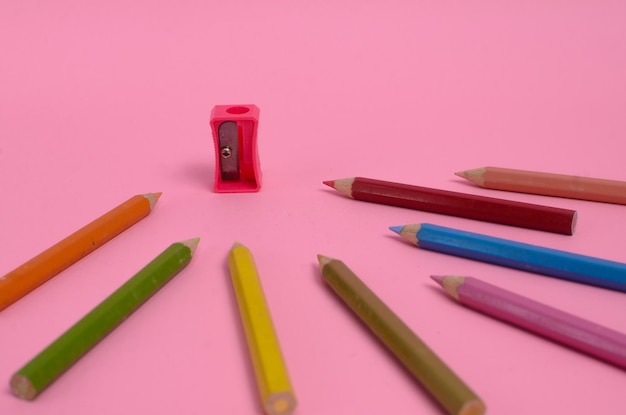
{"x":330,"y":183}
{"x":236,"y":245}
{"x":438,"y":279}
{"x":323,"y":260}
{"x":396,"y":229}
{"x":461,"y":174}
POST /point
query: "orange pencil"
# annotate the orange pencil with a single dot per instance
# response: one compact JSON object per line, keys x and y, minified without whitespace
{"x":58,"y":257}
{"x":548,"y":184}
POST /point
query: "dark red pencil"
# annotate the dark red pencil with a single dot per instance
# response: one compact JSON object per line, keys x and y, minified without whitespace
{"x":464,"y":205}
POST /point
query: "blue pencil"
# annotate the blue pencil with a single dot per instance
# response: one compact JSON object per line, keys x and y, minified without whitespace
{"x":532,"y":258}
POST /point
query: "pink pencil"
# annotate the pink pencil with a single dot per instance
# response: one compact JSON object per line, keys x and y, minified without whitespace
{"x":570,"y":330}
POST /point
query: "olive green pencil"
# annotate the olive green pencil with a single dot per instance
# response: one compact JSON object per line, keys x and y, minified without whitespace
{"x":47,"y":366}
{"x":434,"y":375}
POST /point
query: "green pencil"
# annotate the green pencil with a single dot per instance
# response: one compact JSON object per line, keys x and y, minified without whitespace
{"x":47,"y":366}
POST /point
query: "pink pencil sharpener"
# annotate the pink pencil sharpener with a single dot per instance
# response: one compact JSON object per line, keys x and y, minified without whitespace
{"x":237,"y":166}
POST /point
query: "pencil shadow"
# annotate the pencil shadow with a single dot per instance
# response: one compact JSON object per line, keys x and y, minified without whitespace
{"x":317,"y":277}
{"x":330,"y":191}
{"x":464,"y":183}
{"x":201,"y":173}
{"x":340,"y":304}
{"x":437,"y":290}
{"x":393,"y":236}
{"x":8,"y":393}
{"x":399,"y":240}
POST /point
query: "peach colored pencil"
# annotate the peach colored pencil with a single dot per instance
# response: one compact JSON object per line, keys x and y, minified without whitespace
{"x":58,"y":257}
{"x":548,"y":184}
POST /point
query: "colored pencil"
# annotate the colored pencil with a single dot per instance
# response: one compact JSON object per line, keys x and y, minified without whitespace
{"x":559,"y":326}
{"x":548,"y":184}
{"x":430,"y":371}
{"x":272,"y":378}
{"x":463,"y":205}
{"x":25,"y":278}
{"x":533,"y":258}
{"x":47,"y":366}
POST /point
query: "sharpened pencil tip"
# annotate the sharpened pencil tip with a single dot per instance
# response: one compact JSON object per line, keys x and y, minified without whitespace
{"x":323,"y":260}
{"x":450,"y":283}
{"x":408,"y":232}
{"x":236,"y":245}
{"x":152,"y":198}
{"x":192,"y":244}
{"x":438,"y":279}
{"x":476,"y":176}
{"x":343,"y":186}
{"x":396,"y":229}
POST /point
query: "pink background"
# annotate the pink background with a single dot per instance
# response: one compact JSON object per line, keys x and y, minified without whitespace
{"x":103,"y":100}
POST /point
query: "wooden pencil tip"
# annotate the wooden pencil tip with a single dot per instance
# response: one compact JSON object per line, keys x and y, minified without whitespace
{"x":408,"y":232}
{"x":438,"y":279}
{"x":450,"y":283}
{"x":152,"y":198}
{"x":343,"y":186}
{"x":192,"y":244}
{"x":476,"y":176}
{"x":236,"y":245}
{"x":323,"y":260}
{"x":461,"y":174}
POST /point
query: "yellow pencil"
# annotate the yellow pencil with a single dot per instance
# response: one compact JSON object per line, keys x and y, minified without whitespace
{"x":275,"y":388}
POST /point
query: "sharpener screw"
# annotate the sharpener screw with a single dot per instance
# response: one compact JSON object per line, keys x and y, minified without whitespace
{"x":226,"y":152}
